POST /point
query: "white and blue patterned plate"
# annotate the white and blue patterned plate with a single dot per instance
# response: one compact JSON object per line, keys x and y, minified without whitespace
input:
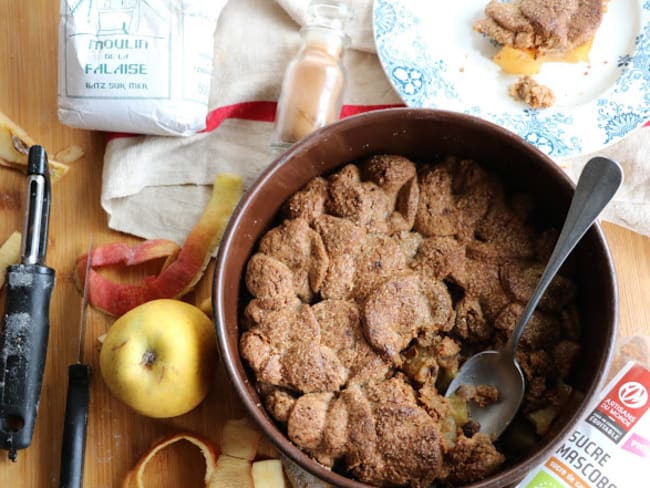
{"x":434,"y":59}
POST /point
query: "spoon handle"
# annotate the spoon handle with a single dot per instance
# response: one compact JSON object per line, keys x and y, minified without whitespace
{"x":598,"y":182}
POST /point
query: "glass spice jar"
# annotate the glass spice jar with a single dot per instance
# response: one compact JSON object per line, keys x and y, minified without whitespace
{"x":314,"y":81}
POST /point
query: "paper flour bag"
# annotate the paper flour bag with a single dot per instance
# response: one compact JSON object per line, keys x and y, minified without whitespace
{"x":140,"y":66}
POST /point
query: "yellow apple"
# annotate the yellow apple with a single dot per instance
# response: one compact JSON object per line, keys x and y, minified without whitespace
{"x":159,"y":357}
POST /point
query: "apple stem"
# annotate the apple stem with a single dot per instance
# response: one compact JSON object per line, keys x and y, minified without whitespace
{"x":148,"y":358}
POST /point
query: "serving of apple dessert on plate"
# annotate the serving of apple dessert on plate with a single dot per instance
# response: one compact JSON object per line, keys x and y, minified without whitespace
{"x":532,"y":32}
{"x":377,"y":282}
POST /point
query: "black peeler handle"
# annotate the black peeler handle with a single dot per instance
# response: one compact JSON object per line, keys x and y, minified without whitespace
{"x":23,"y":349}
{"x":74,"y":428}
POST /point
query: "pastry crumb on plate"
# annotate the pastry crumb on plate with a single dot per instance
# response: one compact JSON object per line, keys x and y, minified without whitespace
{"x":527,"y":90}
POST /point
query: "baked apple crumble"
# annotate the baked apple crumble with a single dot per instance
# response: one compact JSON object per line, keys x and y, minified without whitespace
{"x":532,"y":32}
{"x":376,"y":284}
{"x":543,"y":26}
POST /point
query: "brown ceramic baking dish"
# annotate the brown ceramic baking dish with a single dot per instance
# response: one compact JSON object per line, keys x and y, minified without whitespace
{"x":418,"y":134}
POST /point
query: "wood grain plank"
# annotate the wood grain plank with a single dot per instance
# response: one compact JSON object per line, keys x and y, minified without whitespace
{"x":116,"y":436}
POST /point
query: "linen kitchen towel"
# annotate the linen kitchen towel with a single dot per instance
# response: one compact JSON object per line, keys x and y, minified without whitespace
{"x":156,"y":187}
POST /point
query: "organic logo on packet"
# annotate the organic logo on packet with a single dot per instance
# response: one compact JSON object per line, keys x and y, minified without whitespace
{"x":633,"y":394}
{"x":544,"y":480}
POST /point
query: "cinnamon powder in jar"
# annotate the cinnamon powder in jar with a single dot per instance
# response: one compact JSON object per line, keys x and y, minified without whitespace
{"x":313,"y":84}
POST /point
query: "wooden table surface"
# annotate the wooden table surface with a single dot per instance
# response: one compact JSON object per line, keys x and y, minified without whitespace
{"x":116,"y":436}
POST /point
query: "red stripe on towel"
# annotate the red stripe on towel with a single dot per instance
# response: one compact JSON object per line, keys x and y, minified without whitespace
{"x":265,"y":112}
{"x":258,"y":111}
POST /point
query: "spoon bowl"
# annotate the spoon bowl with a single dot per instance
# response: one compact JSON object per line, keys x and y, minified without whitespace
{"x":497,"y":369}
{"x":598,"y":182}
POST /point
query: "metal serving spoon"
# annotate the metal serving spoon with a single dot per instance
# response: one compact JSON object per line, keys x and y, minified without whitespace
{"x":598,"y":182}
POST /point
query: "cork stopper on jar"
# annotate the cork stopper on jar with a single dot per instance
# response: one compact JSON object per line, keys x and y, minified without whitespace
{"x":331,"y":14}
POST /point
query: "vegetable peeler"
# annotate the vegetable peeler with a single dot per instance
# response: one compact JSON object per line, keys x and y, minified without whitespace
{"x":24,"y":338}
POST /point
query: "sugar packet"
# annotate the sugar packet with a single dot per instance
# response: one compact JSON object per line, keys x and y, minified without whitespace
{"x":610,"y":446}
{"x":139,"y":66}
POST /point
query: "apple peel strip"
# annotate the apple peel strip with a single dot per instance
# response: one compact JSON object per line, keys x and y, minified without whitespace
{"x":135,"y":477}
{"x":9,"y":254}
{"x":15,"y":144}
{"x":184,"y":266}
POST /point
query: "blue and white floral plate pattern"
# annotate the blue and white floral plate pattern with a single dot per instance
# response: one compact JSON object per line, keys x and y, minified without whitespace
{"x":434,"y":59}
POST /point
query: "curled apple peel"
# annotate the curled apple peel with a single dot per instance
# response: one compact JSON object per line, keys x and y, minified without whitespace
{"x":183,"y":268}
{"x":118,"y":298}
{"x":121,"y":253}
{"x":135,"y":477}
